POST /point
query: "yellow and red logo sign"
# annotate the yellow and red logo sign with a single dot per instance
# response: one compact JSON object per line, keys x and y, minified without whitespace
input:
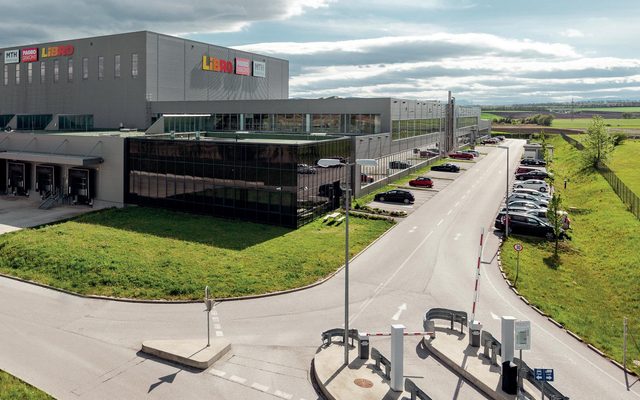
{"x":217,"y":65}
{"x":56,"y":51}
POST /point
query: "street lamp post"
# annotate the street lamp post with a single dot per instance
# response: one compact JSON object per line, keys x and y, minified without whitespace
{"x":329,"y":162}
{"x":506,"y":198}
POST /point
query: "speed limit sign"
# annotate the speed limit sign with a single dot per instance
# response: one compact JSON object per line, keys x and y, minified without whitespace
{"x":517,"y":247}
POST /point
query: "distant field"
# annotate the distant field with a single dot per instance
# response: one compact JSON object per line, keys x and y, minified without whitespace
{"x":626,"y":164}
{"x":612,"y":109}
{"x":583,"y":123}
{"x":486,"y":115}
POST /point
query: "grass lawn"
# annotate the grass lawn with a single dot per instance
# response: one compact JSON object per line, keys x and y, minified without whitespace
{"x":597,"y":281}
{"x":489,"y":116}
{"x":583,"y":123}
{"x":12,"y":388}
{"x":625,"y":163}
{"x":150,"y":253}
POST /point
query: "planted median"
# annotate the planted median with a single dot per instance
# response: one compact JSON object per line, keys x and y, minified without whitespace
{"x":148,"y":253}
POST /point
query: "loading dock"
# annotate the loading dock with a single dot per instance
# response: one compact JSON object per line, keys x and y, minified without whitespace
{"x":19,"y":178}
{"x":81,"y":185}
{"x":47,"y":180}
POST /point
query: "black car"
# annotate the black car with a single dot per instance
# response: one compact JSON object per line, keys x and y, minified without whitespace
{"x":446,"y":168}
{"x":399,"y":165}
{"x":532,"y":161}
{"x":398,"y":196}
{"x":526,"y":224}
{"x":532,"y":175}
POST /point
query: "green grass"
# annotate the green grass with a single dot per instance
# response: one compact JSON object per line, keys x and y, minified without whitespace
{"x":612,"y":109}
{"x":625,"y":162}
{"x":12,"y":388}
{"x":487,"y":115}
{"x":583,"y":123}
{"x":595,"y":285}
{"x":151,"y":253}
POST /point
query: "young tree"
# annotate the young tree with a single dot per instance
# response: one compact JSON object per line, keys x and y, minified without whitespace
{"x":555,"y":218}
{"x":598,"y":145}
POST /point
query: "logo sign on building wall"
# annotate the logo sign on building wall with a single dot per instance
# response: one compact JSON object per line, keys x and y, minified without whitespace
{"x":56,"y":51}
{"x":259,"y":69}
{"x":217,"y":65}
{"x":29,"y":55}
{"x":243,"y":66}
{"x":11,"y":56}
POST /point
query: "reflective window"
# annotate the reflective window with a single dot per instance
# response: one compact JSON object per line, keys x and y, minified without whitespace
{"x":6,"y":74}
{"x":116,"y":61}
{"x":56,"y":70}
{"x":30,"y":73}
{"x":100,"y":68}
{"x":43,"y":69}
{"x":70,"y":69}
{"x":17,"y":74}
{"x":134,"y":65}
{"x":85,"y":68}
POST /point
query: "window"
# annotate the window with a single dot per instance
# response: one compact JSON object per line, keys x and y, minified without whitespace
{"x":30,"y":73}
{"x":17,"y":74}
{"x":43,"y":68}
{"x":117,"y":65}
{"x":6,"y":75}
{"x":56,"y":70}
{"x":70,"y":69}
{"x":100,"y":68}
{"x":134,"y":65}
{"x":85,"y":68}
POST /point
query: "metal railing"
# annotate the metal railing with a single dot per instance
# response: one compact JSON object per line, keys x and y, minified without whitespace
{"x":327,"y":336}
{"x":380,"y":359}
{"x":489,"y":343}
{"x":414,"y":390}
{"x":549,"y":391}
{"x":447,"y":315}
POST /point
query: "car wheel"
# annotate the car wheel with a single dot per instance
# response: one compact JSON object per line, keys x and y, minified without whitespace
{"x":406,"y":201}
{"x":549,"y":235}
{"x":381,"y":198}
{"x":543,"y":189}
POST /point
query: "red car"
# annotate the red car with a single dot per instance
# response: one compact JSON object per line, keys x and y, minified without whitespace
{"x":421,"y":181}
{"x":461,"y":156}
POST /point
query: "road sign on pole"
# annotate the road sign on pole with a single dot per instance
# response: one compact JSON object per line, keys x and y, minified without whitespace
{"x":517,"y":247}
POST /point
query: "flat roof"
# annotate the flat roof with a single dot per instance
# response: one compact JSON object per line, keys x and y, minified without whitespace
{"x":50,"y":158}
{"x":247,"y":137}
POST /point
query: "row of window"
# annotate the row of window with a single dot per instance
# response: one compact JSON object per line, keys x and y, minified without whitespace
{"x":70,"y":69}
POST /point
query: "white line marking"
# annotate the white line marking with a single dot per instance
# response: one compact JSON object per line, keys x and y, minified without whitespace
{"x":237,"y":379}
{"x":457,"y":204}
{"x":457,"y":236}
{"x":217,"y":326}
{"x":215,"y":319}
{"x":389,"y":279}
{"x":450,"y":211}
{"x":283,"y":395}
{"x":217,"y":372}
{"x":214,"y":312}
{"x":260,"y":387}
{"x":440,"y":223}
{"x":495,"y":316}
{"x":401,"y":308}
{"x":219,"y":334}
{"x":379,"y":288}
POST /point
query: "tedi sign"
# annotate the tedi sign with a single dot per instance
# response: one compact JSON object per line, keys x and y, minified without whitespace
{"x":56,"y":51}
{"x":217,"y":65}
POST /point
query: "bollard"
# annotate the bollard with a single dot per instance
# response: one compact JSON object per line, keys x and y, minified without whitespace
{"x":474,"y":333}
{"x":397,"y":357}
{"x":363,"y":347}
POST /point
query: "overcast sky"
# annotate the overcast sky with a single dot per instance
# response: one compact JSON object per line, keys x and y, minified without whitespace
{"x":485,"y":51}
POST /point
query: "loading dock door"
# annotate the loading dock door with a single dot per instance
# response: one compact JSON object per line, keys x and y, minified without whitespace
{"x":81,"y":185}
{"x":3,"y":176}
{"x":47,"y":179}
{"x":19,"y":178}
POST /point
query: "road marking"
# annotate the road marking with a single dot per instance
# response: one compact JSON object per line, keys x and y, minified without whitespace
{"x":217,"y":326}
{"x":413,"y":229}
{"x":260,"y":387}
{"x":219,"y":334}
{"x":457,"y":204}
{"x":283,"y":395}
{"x":401,"y":308}
{"x":215,"y":319}
{"x":214,"y":312}
{"x":457,"y":236}
{"x":441,"y":221}
{"x":237,"y":379}
{"x":217,"y":372}
{"x":379,"y":288}
{"x":389,"y":279}
{"x":450,"y":211}
{"x":495,"y":316}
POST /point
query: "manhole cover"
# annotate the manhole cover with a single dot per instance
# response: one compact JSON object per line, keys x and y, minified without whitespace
{"x":363,"y":383}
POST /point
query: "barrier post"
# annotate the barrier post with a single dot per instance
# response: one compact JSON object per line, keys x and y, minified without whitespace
{"x":397,"y":357}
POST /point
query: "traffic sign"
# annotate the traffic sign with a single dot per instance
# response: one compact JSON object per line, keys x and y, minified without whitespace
{"x":543,"y":374}
{"x":517,"y":247}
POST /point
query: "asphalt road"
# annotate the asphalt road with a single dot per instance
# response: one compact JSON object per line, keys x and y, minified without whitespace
{"x":76,"y":348}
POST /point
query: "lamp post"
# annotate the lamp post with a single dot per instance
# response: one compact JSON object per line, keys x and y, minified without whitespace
{"x":329,"y":162}
{"x":506,"y":197}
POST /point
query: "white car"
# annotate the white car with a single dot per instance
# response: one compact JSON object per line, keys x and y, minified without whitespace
{"x":532,"y":192}
{"x":524,"y":204}
{"x":527,"y":197}
{"x":534,"y":184}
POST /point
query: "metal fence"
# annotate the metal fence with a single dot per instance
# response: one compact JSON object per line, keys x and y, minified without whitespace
{"x":628,"y":197}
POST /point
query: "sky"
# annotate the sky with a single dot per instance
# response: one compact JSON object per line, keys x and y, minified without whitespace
{"x":486,"y":52}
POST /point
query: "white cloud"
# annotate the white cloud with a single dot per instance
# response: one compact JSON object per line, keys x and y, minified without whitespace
{"x":572,"y":33}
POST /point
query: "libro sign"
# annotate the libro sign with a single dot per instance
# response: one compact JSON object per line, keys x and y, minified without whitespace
{"x":29,"y":55}
{"x":216,"y":64}
{"x":56,"y":51}
{"x":259,"y":69}
{"x":12,"y":56}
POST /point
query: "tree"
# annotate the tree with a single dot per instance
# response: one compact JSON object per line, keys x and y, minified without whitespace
{"x":598,"y":144}
{"x":555,"y":218}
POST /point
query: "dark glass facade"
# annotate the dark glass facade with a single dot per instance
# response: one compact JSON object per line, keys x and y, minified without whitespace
{"x":254,"y":181}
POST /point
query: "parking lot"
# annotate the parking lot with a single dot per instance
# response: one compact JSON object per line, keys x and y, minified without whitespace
{"x":22,"y":212}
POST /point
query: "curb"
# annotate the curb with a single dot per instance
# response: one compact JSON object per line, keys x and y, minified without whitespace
{"x":221,"y":299}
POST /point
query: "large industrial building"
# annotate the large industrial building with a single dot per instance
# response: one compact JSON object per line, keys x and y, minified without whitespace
{"x":149,"y":119}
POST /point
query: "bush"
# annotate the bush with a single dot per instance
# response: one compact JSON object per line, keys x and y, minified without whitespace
{"x":618,"y":138}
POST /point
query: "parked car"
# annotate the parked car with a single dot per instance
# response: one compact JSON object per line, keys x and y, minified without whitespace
{"x":306,"y":169}
{"x":342,"y":163}
{"x":461,"y":156}
{"x":524,"y":170}
{"x":514,"y":209}
{"x":500,"y":138}
{"x":364,"y":178}
{"x":535,"y":184}
{"x":490,"y":141}
{"x":532,"y":161}
{"x":537,"y":174}
{"x":472,"y":152}
{"x":527,"y":197}
{"x":448,"y":167}
{"x":542,"y":195}
{"x":421,"y":181}
{"x":399,"y":165}
{"x":523,"y":204}
{"x":398,"y":196}
{"x":525,"y":224}
{"x":428,"y":153}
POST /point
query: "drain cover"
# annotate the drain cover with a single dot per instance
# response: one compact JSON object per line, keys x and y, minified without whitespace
{"x":363,"y":383}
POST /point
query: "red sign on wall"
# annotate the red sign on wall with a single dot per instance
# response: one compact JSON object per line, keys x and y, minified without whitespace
{"x":29,"y":55}
{"x":243,"y":66}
